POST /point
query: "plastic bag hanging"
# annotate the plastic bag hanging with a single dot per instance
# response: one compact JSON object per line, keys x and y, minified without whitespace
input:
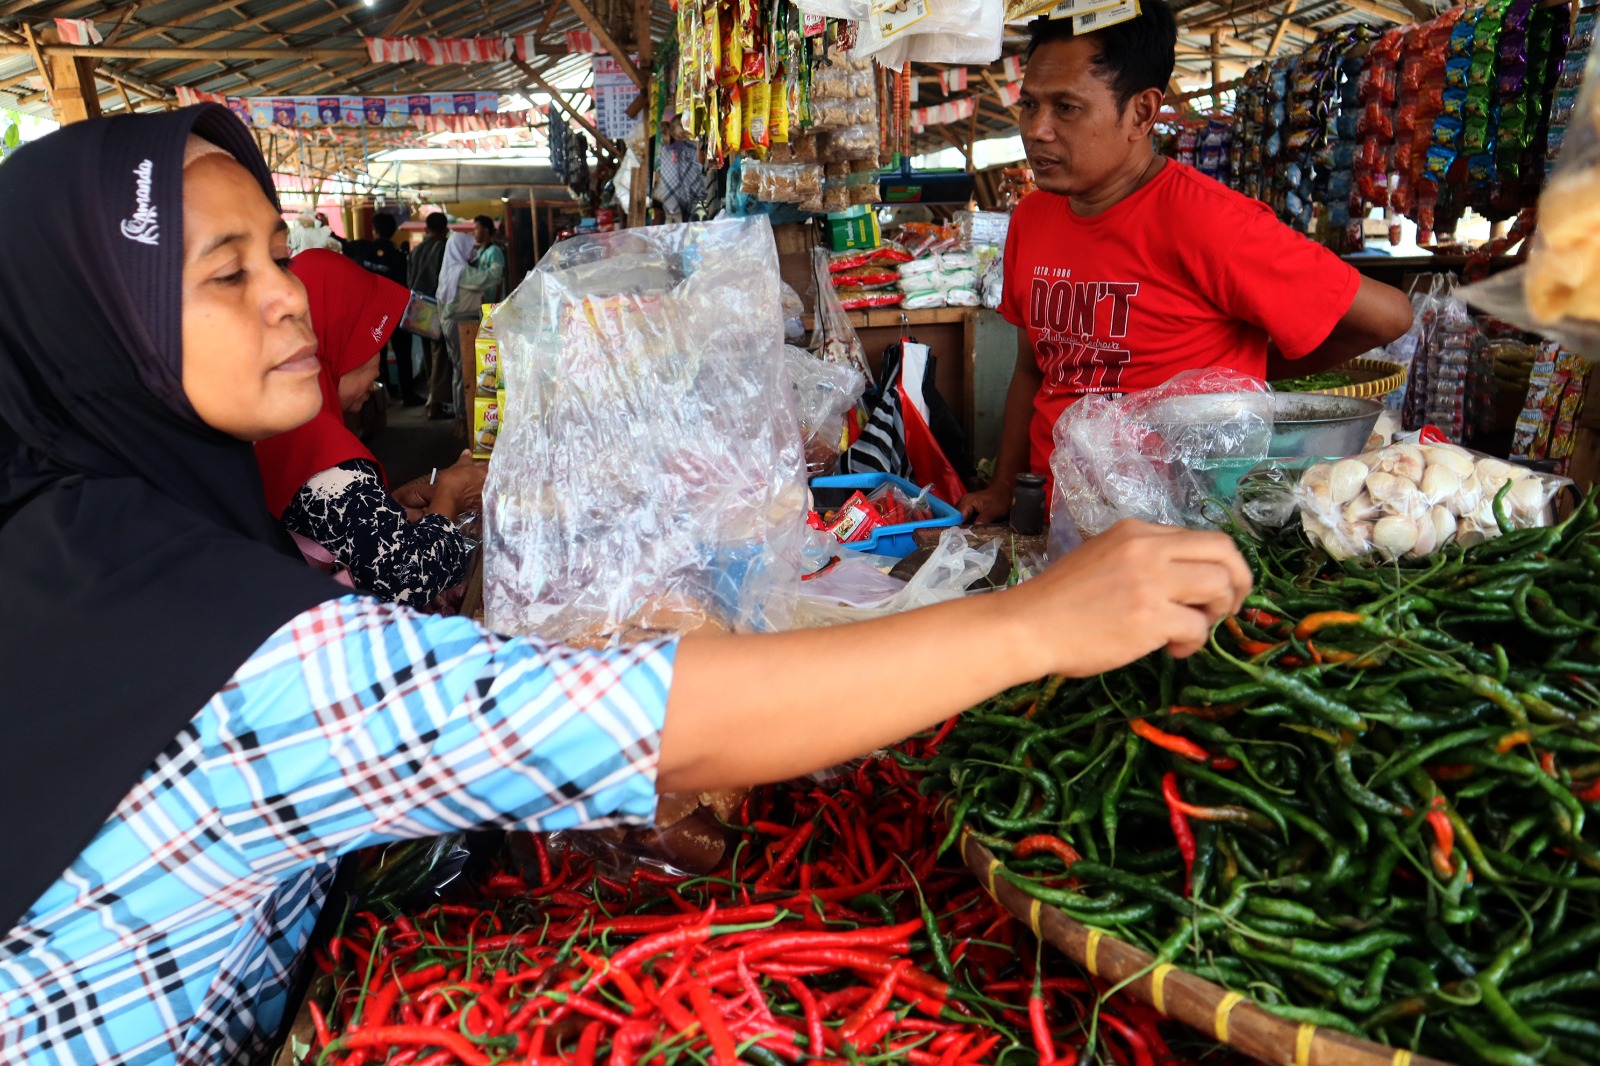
{"x":647,"y":477}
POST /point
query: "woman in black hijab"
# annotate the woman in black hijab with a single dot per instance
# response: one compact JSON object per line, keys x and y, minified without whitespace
{"x":197,"y":726}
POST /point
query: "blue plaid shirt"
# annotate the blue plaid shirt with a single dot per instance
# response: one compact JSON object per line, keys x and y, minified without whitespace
{"x":172,"y":937}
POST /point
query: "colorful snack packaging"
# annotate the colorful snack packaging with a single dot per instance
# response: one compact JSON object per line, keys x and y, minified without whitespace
{"x":489,"y":380}
{"x":485,"y":425}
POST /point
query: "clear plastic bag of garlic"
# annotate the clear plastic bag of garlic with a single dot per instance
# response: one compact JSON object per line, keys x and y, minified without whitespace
{"x":1410,"y":500}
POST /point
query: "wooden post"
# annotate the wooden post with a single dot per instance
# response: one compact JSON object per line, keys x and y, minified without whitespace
{"x":605,"y":142}
{"x":1216,"y":63}
{"x":1283,"y":28}
{"x":73,"y":94}
{"x":972,"y":140}
{"x":608,"y":42}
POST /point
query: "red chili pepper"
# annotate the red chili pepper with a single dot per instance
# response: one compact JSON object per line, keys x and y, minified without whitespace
{"x":588,"y":1042}
{"x":1180,"y":827}
{"x":1040,"y":1024}
{"x":1451,"y":772}
{"x":1547,"y":763}
{"x":723,"y":1050}
{"x":875,"y":1003}
{"x":874,"y":1031}
{"x":387,"y":1035}
{"x":808,"y":1004}
{"x":791,"y":848}
{"x":944,"y":731}
{"x":1134,"y":1038}
{"x":1590,"y":793}
{"x":1246,"y":644}
{"x":1183,"y":746}
{"x":1442,"y":851}
{"x":1315,"y":623}
{"x":1053,"y":845}
{"x":320,"y":1023}
{"x":1257,"y":617}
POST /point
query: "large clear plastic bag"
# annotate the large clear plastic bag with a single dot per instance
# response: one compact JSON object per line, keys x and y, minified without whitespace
{"x":1557,"y":293}
{"x":648,"y":475}
{"x":1157,"y":455}
{"x":824,"y":394}
{"x":953,"y":31}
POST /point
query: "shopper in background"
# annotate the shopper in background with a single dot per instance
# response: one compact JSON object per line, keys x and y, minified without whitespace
{"x":488,"y":256}
{"x":1125,"y":268}
{"x":200,"y":725}
{"x":311,"y":231}
{"x":424,"y":278}
{"x":464,"y":288}
{"x":384,"y":258}
{"x":327,"y":487}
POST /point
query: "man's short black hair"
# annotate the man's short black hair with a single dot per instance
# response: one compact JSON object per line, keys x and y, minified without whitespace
{"x":484,"y":220}
{"x":1134,"y":56}
{"x":438,"y":222}
{"x":383,"y":225}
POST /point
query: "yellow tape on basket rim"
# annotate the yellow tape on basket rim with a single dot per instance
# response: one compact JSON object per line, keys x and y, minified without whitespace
{"x":1158,"y":987}
{"x":1034,"y":907}
{"x":994,"y":864}
{"x":1224,"y":1009}
{"x":1302,"y":1044}
{"x":1091,"y":953}
{"x":1401,"y":1058}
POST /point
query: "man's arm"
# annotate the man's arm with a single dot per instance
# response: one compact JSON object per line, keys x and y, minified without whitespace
{"x":1026,"y":380}
{"x":1379,"y":314}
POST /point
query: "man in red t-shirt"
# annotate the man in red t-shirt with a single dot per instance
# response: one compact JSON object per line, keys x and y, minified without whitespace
{"x":1126,"y":268}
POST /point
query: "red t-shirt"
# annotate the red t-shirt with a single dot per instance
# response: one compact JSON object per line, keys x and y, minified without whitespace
{"x":1182,"y":275}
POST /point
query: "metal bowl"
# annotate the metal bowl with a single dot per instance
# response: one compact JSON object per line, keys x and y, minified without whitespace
{"x":1311,"y":424}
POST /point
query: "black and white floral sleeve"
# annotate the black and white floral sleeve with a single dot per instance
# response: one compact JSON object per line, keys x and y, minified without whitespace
{"x":347,"y":510}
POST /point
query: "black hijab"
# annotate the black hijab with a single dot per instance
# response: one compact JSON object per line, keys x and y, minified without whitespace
{"x":139,"y":567}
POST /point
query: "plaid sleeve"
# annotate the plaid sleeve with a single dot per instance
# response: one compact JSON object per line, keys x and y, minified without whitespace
{"x":361,"y":723}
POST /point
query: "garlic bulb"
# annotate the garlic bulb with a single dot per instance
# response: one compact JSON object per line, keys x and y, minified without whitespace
{"x":1359,"y":509}
{"x":1467,"y":500}
{"x":1525,"y":502}
{"x":1444,"y":524}
{"x":1345,"y":479}
{"x":1403,"y":460}
{"x":1394,"y":535}
{"x":1451,"y":458}
{"x":1427,"y":537}
{"x":1440,"y":483}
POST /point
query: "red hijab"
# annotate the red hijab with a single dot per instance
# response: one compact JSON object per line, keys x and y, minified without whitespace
{"x":353,"y":313}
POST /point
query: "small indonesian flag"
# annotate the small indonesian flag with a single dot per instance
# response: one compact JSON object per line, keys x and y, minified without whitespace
{"x":78,"y":31}
{"x":392,"y":49}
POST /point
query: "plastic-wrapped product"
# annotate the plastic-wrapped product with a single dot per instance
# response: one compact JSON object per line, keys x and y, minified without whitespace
{"x":824,"y":393}
{"x":1159,"y":454}
{"x":926,"y":265}
{"x":1558,"y":292}
{"x":962,"y":298}
{"x":1410,"y":500}
{"x":957,"y":279}
{"x":923,"y":300}
{"x":647,"y":474}
{"x":834,"y":339}
{"x":864,"y":299}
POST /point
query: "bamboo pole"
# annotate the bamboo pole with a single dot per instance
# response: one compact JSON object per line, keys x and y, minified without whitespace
{"x":608,"y":42}
{"x":561,"y":101}
{"x":95,"y":51}
{"x":1283,"y":28}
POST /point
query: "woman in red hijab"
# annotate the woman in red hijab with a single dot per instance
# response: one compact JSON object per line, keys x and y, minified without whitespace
{"x":326,"y":486}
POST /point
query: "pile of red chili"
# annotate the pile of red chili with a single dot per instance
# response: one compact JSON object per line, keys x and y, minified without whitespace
{"x":834,"y":931}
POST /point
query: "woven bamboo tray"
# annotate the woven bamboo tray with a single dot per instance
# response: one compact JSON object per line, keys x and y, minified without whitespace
{"x":1230,"y":1017}
{"x":1371,"y":379}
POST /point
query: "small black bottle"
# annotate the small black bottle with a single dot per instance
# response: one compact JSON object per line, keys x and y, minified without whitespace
{"x":1027,"y":505}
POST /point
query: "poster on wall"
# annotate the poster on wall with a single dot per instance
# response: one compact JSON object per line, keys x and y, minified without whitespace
{"x":614,"y":93}
{"x":353,"y":112}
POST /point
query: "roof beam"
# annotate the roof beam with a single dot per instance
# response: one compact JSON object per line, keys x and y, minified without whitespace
{"x":1283,"y":28}
{"x":561,"y":101}
{"x":608,"y":42}
{"x":94,"y":51}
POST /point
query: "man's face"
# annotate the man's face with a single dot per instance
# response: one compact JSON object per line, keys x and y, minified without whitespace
{"x":483,"y":233}
{"x":1076,"y":136}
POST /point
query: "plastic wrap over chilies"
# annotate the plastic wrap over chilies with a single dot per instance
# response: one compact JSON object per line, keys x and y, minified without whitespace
{"x":648,"y":473}
{"x":1157,"y":455}
{"x":1557,"y":293}
{"x":824,"y":393}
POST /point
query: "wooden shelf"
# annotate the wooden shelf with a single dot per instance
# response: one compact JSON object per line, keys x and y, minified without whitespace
{"x":892,"y":316}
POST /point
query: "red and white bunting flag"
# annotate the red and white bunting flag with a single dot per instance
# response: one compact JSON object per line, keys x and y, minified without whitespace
{"x":392,"y":49}
{"x":581,"y":41}
{"x":77,"y":31}
{"x":1010,"y":93}
{"x":525,"y":47}
{"x":1013,"y":68}
{"x":188,"y":97}
{"x":953,"y":80}
{"x":431,"y":51}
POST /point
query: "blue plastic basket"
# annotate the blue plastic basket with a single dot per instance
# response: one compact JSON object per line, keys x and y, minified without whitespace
{"x":896,"y":541}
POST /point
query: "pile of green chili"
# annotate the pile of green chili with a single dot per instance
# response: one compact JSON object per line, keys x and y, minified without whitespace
{"x":1366,"y":803}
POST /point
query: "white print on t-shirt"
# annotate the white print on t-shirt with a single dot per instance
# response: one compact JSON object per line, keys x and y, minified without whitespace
{"x":1078,"y":328}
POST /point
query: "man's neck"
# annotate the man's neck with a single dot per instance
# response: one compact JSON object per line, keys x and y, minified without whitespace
{"x":1140,"y":169}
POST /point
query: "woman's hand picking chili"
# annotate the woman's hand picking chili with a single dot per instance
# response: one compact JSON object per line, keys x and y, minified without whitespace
{"x":1132,"y":590}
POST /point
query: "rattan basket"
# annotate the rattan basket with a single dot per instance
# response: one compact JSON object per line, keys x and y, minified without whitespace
{"x":1229,"y":1017}
{"x":1371,"y":379}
